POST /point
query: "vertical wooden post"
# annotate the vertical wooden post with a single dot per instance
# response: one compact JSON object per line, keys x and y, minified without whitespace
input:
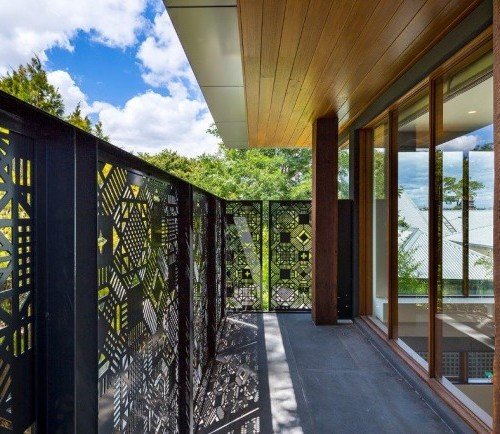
{"x":465,"y":223}
{"x":365,"y":173}
{"x":354,"y":195}
{"x":325,"y":221}
{"x":496,"y":209}
{"x":392,"y":237}
{"x":435,"y":224}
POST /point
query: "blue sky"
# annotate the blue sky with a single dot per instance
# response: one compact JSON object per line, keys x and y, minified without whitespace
{"x":102,"y":73}
{"x":122,"y":60}
{"x":414,"y":172}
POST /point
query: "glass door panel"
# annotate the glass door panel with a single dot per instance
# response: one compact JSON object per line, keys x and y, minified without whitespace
{"x":465,"y":172}
{"x":413,"y":225}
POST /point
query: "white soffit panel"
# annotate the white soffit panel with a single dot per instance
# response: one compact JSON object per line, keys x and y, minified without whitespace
{"x":233,"y":131}
{"x":209,"y":33}
{"x":195,"y":3}
{"x":220,"y":98}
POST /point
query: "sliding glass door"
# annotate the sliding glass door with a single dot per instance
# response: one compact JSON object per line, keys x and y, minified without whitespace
{"x":413,"y":225}
{"x":464,"y":158}
{"x":438,"y":305}
{"x":380,"y":201}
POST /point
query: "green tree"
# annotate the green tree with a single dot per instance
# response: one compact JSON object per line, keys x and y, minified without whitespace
{"x":99,"y":132}
{"x":78,"y":120}
{"x":172,"y":162}
{"x":344,"y":174}
{"x":29,"y":83}
{"x":379,"y":172}
{"x":453,"y":190}
{"x":243,"y":173}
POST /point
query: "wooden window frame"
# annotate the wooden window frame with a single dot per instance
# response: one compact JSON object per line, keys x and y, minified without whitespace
{"x":433,"y":374}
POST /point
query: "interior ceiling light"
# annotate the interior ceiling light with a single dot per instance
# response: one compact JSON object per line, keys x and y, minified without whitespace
{"x":472,"y":112}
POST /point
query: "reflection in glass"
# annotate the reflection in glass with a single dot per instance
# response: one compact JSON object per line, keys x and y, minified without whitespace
{"x":465,"y":173}
{"x":413,"y":226}
{"x":344,"y":170}
{"x":380,"y":221}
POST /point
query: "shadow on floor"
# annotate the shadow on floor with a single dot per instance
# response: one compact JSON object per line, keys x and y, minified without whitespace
{"x":238,"y":391}
{"x":280,"y":373}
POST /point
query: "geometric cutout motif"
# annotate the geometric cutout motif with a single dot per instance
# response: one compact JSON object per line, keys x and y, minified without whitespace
{"x":17,"y":364}
{"x":243,"y":245}
{"x":200,"y":290}
{"x":290,"y":255}
{"x":234,"y":402}
{"x":137,"y":301}
{"x":219,"y":236}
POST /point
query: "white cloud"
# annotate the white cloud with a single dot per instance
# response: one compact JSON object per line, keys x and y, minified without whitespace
{"x":34,"y":26}
{"x":71,"y":93}
{"x":162,"y":56}
{"x":462,"y":143}
{"x":151,"y":122}
{"x":148,"y":122}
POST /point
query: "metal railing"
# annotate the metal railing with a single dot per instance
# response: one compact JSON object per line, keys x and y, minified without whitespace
{"x":115,"y":278}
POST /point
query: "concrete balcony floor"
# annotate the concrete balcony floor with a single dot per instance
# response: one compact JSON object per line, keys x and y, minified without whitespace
{"x":280,"y":373}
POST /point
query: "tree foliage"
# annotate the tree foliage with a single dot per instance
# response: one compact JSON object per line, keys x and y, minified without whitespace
{"x":453,"y":190}
{"x":30,"y":83}
{"x":344,"y":174}
{"x":243,"y":173}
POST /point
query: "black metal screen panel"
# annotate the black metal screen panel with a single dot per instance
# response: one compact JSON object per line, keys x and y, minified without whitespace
{"x":200,"y":289}
{"x":345,"y":291}
{"x":243,"y":236}
{"x":219,"y":248}
{"x":234,"y":402}
{"x":137,"y":301}
{"x":290,"y":263}
{"x":17,"y":366}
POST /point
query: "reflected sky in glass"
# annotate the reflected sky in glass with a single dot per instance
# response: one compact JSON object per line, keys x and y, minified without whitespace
{"x":413,"y":167}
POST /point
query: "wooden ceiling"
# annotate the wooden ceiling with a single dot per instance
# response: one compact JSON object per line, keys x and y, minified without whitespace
{"x":304,"y":59}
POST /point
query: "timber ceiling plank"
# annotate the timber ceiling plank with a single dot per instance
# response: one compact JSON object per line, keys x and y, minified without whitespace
{"x":342,"y":63}
{"x":336,"y":54}
{"x":433,"y":16}
{"x":339,"y":17}
{"x":428,"y":26}
{"x":313,"y":28}
{"x":433,"y":10}
{"x":250,"y":15}
{"x":364,"y":59}
{"x":295,"y":15}
{"x":404,"y":15}
{"x":308,"y":58}
{"x":272,"y":25}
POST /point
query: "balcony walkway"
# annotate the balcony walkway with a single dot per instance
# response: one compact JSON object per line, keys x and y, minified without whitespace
{"x":280,"y":373}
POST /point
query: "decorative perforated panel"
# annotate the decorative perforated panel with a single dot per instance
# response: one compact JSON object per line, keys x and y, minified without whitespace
{"x":219,"y":224}
{"x":290,"y":255}
{"x":234,"y":401}
{"x":200,"y":290}
{"x":17,"y":368}
{"x":137,"y":302}
{"x":243,"y":233}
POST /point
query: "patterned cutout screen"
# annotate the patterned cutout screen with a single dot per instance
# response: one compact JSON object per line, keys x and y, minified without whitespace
{"x":137,"y":301}
{"x":17,"y":411}
{"x":290,"y":255}
{"x":243,"y":255}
